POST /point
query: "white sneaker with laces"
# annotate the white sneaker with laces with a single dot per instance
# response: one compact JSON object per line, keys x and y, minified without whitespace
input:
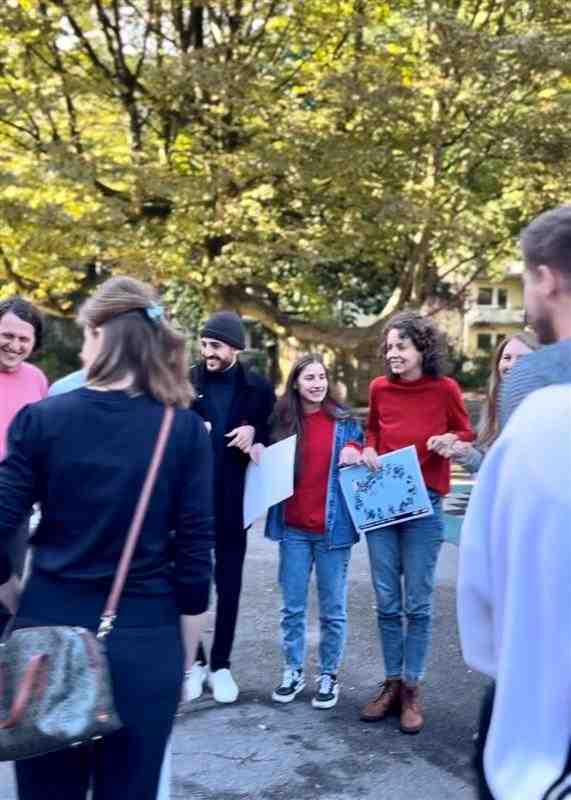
{"x":292,"y":684}
{"x":194,"y":679}
{"x":327,"y":693}
{"x":223,"y":686}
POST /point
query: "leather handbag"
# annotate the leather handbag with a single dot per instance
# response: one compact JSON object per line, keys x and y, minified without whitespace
{"x":55,"y":685}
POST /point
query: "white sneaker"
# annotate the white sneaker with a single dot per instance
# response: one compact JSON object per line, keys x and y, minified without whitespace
{"x":327,"y":693}
{"x":292,"y":684}
{"x":194,"y":679}
{"x":224,"y":687}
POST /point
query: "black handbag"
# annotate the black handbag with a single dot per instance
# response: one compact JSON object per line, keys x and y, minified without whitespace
{"x":55,"y":686}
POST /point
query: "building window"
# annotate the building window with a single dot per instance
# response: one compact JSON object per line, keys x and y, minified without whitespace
{"x":502,"y":301}
{"x":485,"y":296}
{"x":485,"y":342}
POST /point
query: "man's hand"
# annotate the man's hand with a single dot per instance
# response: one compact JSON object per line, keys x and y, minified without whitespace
{"x":242,"y":438}
{"x":442,"y":444}
{"x":256,"y":451}
{"x":10,"y":594}
{"x":349,"y":456}
{"x":369,"y":458}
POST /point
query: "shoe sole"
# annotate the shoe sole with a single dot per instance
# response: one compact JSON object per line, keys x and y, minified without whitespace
{"x":411,"y":731}
{"x":223,"y":700}
{"x":194,"y":697}
{"x":288,"y":698}
{"x":324,"y":703}
{"x":392,"y":713}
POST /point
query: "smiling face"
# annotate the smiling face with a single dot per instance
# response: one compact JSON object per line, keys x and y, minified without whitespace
{"x":312,"y":386}
{"x":403,"y":359}
{"x":217,"y":355}
{"x":513,"y":350}
{"x":17,"y":340}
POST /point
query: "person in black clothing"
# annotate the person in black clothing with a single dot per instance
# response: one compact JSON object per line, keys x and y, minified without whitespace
{"x":84,"y":456}
{"x":236,"y":405}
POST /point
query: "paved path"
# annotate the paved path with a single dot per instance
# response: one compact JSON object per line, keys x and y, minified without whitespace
{"x":256,"y":750}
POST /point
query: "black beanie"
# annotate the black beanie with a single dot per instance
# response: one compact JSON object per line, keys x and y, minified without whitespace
{"x":226,"y":326}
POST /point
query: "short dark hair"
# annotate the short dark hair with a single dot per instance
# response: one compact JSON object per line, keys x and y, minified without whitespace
{"x":547,"y":240}
{"x":426,"y":337}
{"x":27,"y":313}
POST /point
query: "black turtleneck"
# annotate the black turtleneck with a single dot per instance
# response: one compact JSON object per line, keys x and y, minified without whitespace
{"x":221,"y":386}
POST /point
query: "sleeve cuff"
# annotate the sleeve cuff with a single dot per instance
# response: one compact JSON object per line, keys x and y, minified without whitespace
{"x":354,"y":445}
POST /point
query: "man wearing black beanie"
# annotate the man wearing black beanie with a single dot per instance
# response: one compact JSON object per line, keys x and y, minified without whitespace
{"x":235,"y":404}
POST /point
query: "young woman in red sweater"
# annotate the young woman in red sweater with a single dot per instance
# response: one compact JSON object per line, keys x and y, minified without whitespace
{"x":414,"y":404}
{"x":313,"y":526}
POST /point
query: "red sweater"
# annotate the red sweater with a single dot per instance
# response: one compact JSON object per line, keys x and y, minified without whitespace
{"x":306,"y":508}
{"x":402,"y":413}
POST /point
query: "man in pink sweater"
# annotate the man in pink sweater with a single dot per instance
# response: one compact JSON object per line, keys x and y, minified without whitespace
{"x":20,"y":383}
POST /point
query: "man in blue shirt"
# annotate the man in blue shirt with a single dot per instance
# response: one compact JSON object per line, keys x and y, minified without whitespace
{"x":546,"y":246}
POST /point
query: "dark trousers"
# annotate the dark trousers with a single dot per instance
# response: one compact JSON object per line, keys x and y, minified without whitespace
{"x":485,"y":720}
{"x":229,"y":555}
{"x":147,"y":671}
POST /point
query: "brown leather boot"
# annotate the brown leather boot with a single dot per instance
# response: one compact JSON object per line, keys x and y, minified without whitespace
{"x":387,"y":702}
{"x":411,"y":719}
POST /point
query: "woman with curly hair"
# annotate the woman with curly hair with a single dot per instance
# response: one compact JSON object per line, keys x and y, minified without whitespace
{"x":414,"y":404}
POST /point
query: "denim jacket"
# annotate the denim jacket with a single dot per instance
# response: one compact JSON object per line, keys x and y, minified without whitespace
{"x":339,"y":528}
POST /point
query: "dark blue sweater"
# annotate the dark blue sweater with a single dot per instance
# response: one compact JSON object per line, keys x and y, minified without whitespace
{"x":84,"y":457}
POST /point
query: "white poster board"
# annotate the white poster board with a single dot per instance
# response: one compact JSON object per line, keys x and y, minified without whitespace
{"x":270,"y":481}
{"x":395,"y":492}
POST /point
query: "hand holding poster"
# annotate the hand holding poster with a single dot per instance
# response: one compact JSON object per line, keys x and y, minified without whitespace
{"x":393,"y":493}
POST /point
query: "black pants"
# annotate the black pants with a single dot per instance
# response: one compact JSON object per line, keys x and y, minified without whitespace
{"x":147,"y":671}
{"x":229,"y":555}
{"x":485,"y":720}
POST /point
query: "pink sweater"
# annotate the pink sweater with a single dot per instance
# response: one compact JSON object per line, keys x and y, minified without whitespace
{"x":25,"y":385}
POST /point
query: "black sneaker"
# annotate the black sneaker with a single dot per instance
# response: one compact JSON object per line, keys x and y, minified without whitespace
{"x":327,"y":691}
{"x":292,"y":684}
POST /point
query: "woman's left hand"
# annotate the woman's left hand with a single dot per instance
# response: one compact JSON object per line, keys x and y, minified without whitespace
{"x":349,"y":456}
{"x":10,"y":594}
{"x":442,"y":444}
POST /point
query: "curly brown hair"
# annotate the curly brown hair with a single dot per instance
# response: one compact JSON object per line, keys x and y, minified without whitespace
{"x":426,"y":337}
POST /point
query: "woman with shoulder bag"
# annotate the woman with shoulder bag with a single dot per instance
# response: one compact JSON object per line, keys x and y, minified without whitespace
{"x":84,"y":456}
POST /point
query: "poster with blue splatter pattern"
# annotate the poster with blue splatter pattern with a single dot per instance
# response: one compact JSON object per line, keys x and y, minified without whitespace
{"x":392,"y":494}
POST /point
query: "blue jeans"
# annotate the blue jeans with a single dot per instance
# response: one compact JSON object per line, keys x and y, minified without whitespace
{"x":299,"y":551}
{"x":409,"y":550}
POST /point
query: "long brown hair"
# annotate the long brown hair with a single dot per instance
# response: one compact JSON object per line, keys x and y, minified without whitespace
{"x":137,"y":341}
{"x":489,"y":422}
{"x":288,"y":417}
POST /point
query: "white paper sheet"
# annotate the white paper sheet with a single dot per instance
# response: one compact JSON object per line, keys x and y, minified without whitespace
{"x":270,"y":481}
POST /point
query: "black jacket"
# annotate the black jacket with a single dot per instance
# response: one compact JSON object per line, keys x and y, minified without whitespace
{"x":252,"y":404}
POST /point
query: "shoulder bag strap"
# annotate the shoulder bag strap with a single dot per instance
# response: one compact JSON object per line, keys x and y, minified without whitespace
{"x":110,"y":611}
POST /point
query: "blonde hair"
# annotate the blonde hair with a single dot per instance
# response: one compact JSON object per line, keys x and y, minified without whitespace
{"x":137,"y":341}
{"x":489,"y":423}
